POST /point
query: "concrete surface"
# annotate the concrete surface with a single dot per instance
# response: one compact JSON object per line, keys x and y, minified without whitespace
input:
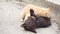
{"x":10,"y":24}
{"x":54,"y":1}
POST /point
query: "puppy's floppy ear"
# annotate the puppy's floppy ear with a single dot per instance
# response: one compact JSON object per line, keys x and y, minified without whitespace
{"x":31,"y":12}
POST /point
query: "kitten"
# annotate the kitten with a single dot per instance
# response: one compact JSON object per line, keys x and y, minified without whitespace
{"x":39,"y":11}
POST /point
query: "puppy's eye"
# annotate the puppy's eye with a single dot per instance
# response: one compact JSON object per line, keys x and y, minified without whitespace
{"x":23,"y":24}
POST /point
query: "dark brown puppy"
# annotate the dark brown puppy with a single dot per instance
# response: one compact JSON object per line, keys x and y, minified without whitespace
{"x":29,"y":24}
{"x":34,"y":22}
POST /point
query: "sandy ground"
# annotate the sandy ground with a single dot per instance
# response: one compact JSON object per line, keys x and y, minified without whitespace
{"x":10,"y":24}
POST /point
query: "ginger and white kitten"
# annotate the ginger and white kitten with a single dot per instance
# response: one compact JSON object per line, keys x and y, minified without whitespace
{"x":39,"y":11}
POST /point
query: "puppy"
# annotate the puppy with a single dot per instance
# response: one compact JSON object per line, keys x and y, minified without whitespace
{"x":33,"y":22}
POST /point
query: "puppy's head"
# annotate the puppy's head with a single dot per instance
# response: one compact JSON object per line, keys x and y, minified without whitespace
{"x":29,"y":24}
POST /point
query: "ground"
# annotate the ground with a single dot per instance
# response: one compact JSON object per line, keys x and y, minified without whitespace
{"x":10,"y":23}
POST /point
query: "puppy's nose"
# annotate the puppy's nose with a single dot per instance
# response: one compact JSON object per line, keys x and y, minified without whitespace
{"x":22,"y":25}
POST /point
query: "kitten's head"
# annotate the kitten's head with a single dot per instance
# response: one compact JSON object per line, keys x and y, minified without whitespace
{"x":45,"y":13}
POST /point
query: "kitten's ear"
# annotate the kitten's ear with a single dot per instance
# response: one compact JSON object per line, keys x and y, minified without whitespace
{"x":33,"y":30}
{"x":31,"y":12}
